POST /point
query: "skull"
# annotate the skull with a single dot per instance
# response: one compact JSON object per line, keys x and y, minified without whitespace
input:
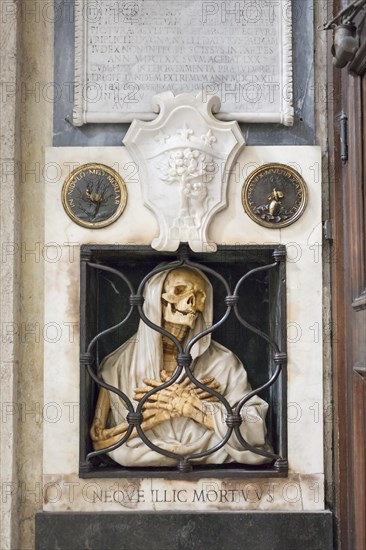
{"x":183,"y":297}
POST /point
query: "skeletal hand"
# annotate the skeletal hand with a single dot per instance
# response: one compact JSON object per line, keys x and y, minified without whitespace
{"x":183,"y":389}
{"x":181,"y":399}
{"x":97,"y":429}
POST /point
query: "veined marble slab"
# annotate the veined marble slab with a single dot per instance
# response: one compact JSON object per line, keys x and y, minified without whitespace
{"x":137,"y":225}
{"x":69,"y":493}
{"x":126,"y":52}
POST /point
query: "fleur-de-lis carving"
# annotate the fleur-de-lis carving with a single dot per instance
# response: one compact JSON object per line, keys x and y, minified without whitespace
{"x":209,"y":138}
{"x":185,"y":132}
{"x":162,"y":138}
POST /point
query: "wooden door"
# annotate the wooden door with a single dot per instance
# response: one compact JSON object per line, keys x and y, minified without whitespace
{"x":348,"y":211}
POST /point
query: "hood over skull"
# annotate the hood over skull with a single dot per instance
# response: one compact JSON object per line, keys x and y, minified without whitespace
{"x":142,"y":355}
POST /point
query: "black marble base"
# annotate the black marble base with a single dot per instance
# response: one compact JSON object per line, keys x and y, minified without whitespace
{"x":184,"y":531}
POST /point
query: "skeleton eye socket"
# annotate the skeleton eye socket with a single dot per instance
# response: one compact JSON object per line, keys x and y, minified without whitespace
{"x":179,"y":290}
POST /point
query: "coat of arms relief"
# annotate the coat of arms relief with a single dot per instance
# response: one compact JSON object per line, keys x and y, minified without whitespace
{"x":191,"y":152}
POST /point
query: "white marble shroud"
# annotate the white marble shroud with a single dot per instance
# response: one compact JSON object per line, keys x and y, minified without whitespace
{"x":184,"y":158}
{"x":137,"y":225}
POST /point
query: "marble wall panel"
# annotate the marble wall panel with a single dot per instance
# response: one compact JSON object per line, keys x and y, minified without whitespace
{"x":231,"y":226}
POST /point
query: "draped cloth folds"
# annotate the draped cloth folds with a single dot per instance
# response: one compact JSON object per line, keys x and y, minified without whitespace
{"x":141,"y":357}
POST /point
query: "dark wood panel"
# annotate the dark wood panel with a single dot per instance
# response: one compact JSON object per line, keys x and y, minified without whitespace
{"x":348,"y":207}
{"x":359,"y":439}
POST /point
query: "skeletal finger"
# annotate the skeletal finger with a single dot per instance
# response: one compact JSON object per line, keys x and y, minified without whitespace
{"x":201,"y":392}
{"x":139,"y":396}
{"x":154,"y":406}
{"x":207,"y":397}
{"x":151,"y":382}
{"x":206,"y":381}
{"x":149,"y":414}
{"x":143,"y":390}
{"x":153,"y":397}
{"x":186,"y":382}
{"x":159,"y":399}
{"x":164,"y":376}
{"x":110,"y":432}
{"x":165,"y":406}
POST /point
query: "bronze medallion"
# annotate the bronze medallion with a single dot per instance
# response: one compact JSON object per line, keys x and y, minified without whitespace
{"x":274,"y":195}
{"x":94,"y":195}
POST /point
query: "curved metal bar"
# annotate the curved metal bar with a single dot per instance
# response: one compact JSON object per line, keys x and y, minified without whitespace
{"x":213,"y":327}
{"x":239,"y":407}
{"x":118,"y":392}
{"x":215,"y":448}
{"x":121,"y":323}
{"x":154,"y":447}
{"x":108,"y":330}
{"x":209,"y":330}
{"x":166,"y":267}
{"x":139,"y":408}
{"x":187,"y":349}
{"x":206,"y":269}
{"x":252,"y":393}
{"x":240,"y":318}
{"x":111,"y":447}
{"x":97,"y":380}
{"x":227,"y":407}
{"x":254,"y":450}
{"x":141,"y":432}
{"x":161,"y":330}
{"x":251,"y":272}
{"x":211,"y":391}
{"x":147,"y":321}
{"x":167,"y":384}
{"x":170,"y":454}
{"x":255,"y":330}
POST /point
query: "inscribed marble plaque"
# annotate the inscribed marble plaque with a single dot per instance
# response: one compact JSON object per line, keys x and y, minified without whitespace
{"x":126,"y":52}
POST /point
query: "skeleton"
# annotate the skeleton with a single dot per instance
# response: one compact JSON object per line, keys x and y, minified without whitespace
{"x":183,"y":297}
{"x":181,"y":418}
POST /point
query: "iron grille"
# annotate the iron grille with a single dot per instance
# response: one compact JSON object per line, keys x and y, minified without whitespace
{"x":99,"y":263}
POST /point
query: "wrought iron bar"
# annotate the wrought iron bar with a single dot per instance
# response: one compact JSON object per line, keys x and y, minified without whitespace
{"x":121,"y":323}
{"x":207,"y":331}
{"x":149,"y":323}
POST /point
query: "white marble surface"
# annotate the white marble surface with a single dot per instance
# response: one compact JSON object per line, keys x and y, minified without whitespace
{"x":184,"y":157}
{"x":295,"y":493}
{"x":241,"y":52}
{"x":231,"y":226}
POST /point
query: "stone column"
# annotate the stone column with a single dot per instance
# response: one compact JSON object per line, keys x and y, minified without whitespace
{"x":10,"y":25}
